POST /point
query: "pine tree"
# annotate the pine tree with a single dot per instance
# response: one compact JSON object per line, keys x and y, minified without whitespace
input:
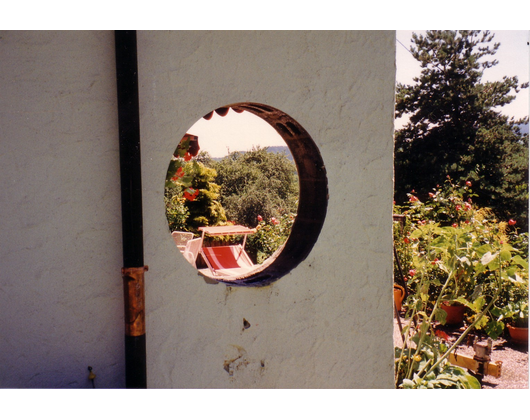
{"x":456,"y":127}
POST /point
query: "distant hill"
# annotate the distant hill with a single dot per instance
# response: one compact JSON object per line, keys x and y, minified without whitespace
{"x":272,"y":149}
{"x":281,"y":149}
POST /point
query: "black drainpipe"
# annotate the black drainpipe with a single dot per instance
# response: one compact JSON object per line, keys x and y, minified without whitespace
{"x":131,"y":204}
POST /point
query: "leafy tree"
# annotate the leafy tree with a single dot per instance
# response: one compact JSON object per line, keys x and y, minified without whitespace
{"x":257,"y":183}
{"x":456,"y":128}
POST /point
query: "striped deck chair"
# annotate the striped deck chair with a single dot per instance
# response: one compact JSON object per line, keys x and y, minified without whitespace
{"x":229,"y":260}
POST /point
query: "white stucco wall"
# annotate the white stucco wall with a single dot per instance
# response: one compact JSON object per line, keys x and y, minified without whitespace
{"x":61,"y":303}
{"x":328,"y":324}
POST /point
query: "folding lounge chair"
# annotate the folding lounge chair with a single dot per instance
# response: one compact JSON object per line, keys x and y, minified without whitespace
{"x":191,"y":251}
{"x":228,"y":260}
{"x":181,"y":239}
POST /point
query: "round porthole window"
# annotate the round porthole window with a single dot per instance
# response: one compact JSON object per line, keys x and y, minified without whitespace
{"x":246,"y":213}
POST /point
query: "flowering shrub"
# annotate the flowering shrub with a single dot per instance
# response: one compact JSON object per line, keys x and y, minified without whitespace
{"x":190,"y":196}
{"x":270,"y":235}
{"x":457,"y":253}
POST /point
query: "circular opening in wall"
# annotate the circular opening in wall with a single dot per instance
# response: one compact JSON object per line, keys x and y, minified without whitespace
{"x":246,"y":194}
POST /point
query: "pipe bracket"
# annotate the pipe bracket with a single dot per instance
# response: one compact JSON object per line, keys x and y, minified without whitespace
{"x":134,"y":297}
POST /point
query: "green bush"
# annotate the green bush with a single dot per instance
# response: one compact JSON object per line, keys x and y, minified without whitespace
{"x":191,"y":196}
{"x":255,"y":183}
{"x":270,"y":235}
{"x":176,"y":211}
{"x":452,"y":251}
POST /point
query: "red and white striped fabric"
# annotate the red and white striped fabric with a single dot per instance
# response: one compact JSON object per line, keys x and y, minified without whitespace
{"x":227,"y":260}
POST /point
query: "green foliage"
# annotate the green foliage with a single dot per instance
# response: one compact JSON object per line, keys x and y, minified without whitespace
{"x":456,"y":127}
{"x":205,"y":209}
{"x":516,"y":313}
{"x":176,"y":210}
{"x":410,"y":367}
{"x":269,"y":237}
{"x":252,"y":186}
{"x":257,"y":183}
{"x":454,"y":251}
{"x":190,"y":195}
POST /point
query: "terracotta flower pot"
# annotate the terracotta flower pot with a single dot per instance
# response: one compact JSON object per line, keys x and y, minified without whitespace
{"x":518,"y":335}
{"x":455,"y":313}
{"x":399,"y":295}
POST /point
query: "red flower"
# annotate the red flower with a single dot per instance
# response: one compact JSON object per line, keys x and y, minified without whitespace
{"x":431,"y":195}
{"x":412,"y":273}
{"x":468,"y":183}
{"x":511,"y":222}
{"x":260,"y":218}
{"x":187,"y":157}
{"x":274,"y":221}
{"x":435,"y":261}
{"x":406,"y":240}
{"x":413,"y":198}
{"x":191,"y":194}
{"x":458,"y":207}
{"x":454,"y":225}
{"x":467,"y":206}
{"x":180,"y":173}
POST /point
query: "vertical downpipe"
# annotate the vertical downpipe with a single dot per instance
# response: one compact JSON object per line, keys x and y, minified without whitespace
{"x":131,"y":203}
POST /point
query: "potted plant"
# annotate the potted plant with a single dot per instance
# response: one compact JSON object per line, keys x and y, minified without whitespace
{"x":448,"y":265}
{"x":515,"y":315}
{"x":399,"y":295}
{"x":459,"y":255}
{"x":455,"y":312}
{"x":511,"y":309}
